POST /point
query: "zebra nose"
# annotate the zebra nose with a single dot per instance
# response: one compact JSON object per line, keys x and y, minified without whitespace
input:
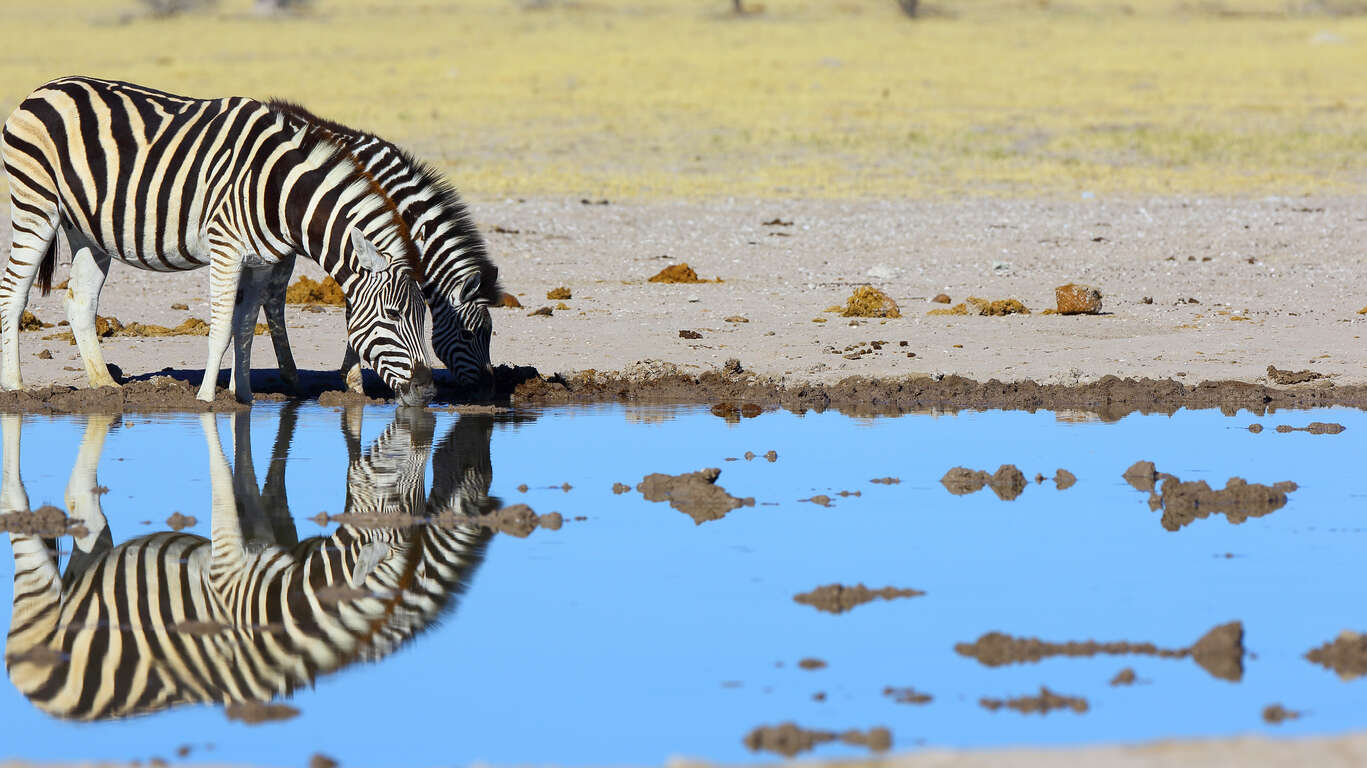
{"x":422,"y":375}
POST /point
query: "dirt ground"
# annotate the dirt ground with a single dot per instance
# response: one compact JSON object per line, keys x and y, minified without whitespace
{"x":1277,"y":282}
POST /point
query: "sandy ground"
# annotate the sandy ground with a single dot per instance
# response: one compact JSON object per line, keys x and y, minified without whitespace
{"x":1278,"y":281}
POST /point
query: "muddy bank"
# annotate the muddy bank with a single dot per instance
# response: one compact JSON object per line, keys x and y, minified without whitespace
{"x":790,"y":739}
{"x":1219,"y":651}
{"x":1110,"y":398}
{"x":837,"y":598}
{"x":1007,"y":482}
{"x":1346,"y":655}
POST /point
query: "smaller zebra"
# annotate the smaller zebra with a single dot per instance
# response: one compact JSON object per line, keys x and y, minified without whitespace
{"x":251,"y":614}
{"x":167,"y":183}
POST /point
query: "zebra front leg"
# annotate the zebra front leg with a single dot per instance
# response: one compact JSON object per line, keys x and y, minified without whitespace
{"x":32,"y":243}
{"x":89,"y":268}
{"x":225,"y":272}
{"x":275,"y":320}
{"x":351,"y":370}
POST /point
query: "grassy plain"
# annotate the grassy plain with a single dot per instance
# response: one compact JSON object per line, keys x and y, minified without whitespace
{"x":804,"y":98}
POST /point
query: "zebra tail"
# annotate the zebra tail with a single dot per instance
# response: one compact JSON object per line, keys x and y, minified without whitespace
{"x":46,"y":266}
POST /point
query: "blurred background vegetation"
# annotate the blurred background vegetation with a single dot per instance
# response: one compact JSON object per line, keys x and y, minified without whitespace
{"x":785,"y":98}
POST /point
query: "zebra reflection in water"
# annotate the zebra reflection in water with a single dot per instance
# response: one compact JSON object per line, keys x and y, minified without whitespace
{"x":252,"y":613}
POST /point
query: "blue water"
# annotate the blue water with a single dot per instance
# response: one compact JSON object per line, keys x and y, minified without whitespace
{"x":635,"y":635}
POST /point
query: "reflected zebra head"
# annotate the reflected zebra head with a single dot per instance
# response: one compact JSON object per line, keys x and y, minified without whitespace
{"x":385,"y":314}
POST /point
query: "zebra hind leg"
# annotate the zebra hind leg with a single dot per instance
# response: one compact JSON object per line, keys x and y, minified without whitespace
{"x":246,"y":309}
{"x":89,"y":268}
{"x":275,"y":320}
{"x":33,"y":243}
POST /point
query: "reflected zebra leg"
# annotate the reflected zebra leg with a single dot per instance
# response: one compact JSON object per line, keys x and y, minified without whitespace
{"x":83,"y":497}
{"x":227,"y":553}
{"x":13,"y":497}
{"x":273,"y":496}
{"x":252,"y":519}
{"x":37,"y":581}
{"x":89,"y":268}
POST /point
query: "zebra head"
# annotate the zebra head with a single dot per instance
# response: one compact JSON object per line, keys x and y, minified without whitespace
{"x":460,"y":334}
{"x":385,"y":314}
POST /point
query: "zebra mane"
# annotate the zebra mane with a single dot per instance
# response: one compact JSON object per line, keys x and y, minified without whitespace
{"x":462,"y":227}
{"x":324,"y":137}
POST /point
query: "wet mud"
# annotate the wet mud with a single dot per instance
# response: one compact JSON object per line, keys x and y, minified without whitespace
{"x":837,"y":598}
{"x":1314,"y":428}
{"x":1043,"y":703}
{"x":1185,"y":502}
{"x":1063,"y":479}
{"x":1276,"y":714}
{"x":790,"y":739}
{"x":1007,"y":482}
{"x":1346,"y":655}
{"x":1110,"y":398}
{"x":1125,"y":676}
{"x":811,"y":663}
{"x":1285,"y":377}
{"x":256,"y":712}
{"x":695,"y":494}
{"x":178,"y":522}
{"x":46,"y":520}
{"x":906,"y":695}
{"x":1220,"y":651}
{"x":518,"y":520}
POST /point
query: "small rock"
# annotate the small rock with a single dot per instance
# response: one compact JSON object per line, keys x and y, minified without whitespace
{"x":687,"y":334}
{"x":736,"y":319}
{"x":543,"y":312}
{"x":1064,"y":479}
{"x":179,"y":305}
{"x":941,"y":298}
{"x":46,"y":354}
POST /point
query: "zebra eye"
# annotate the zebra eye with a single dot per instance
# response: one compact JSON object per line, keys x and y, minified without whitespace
{"x":391,"y":313}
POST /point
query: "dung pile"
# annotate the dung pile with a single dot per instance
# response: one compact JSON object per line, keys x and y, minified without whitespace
{"x":986,"y":307}
{"x":307,"y":291}
{"x":867,"y":301}
{"x":693,"y":493}
{"x":30,"y":322}
{"x":837,"y":598}
{"x":559,"y":294}
{"x":676,"y":273}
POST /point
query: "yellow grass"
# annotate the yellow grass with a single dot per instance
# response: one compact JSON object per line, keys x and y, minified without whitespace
{"x":836,"y":98}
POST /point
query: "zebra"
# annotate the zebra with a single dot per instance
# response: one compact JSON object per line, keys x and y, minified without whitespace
{"x":166,"y":183}
{"x":458,"y":280}
{"x":172,"y":618}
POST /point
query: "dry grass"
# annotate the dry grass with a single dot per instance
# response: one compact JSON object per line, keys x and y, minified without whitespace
{"x":847,"y":98}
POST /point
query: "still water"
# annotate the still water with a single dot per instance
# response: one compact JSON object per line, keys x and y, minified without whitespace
{"x":632,"y":634}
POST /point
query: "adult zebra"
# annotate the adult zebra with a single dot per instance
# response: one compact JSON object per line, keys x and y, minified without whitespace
{"x":458,"y":280}
{"x":166,"y":183}
{"x":250,"y":615}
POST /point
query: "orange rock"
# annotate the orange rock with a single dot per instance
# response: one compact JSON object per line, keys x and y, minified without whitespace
{"x":941,"y":298}
{"x":1075,"y":299}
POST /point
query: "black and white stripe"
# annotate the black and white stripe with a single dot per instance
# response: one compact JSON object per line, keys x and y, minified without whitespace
{"x":166,"y":183}
{"x":458,"y":280}
{"x":246,"y":616}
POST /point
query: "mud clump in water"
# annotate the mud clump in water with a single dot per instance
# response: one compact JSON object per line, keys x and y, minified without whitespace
{"x":30,"y":322}
{"x":1346,"y":655}
{"x":1219,"y":651}
{"x":1125,"y":676}
{"x":345,"y":398}
{"x":200,"y":628}
{"x":256,"y":712}
{"x":790,"y":739}
{"x":1285,"y":378}
{"x":320,"y":760}
{"x":906,"y":695}
{"x":733,"y":412}
{"x":1063,"y":479}
{"x":693,"y":493}
{"x":1142,"y":476}
{"x":1043,"y":703}
{"x":867,"y":301}
{"x":1314,"y":428}
{"x":177,"y":521}
{"x":308,"y":291}
{"x":1184,"y":502}
{"x":811,"y":664}
{"x":620,"y":488}
{"x":1007,"y":482}
{"x":47,"y":521}
{"x":676,"y":273}
{"x":1075,"y":299}
{"x":837,"y":598}
{"x":1276,"y":714}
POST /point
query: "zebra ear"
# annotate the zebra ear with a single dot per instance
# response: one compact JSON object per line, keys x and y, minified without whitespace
{"x":469,"y":290}
{"x":366,"y":255}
